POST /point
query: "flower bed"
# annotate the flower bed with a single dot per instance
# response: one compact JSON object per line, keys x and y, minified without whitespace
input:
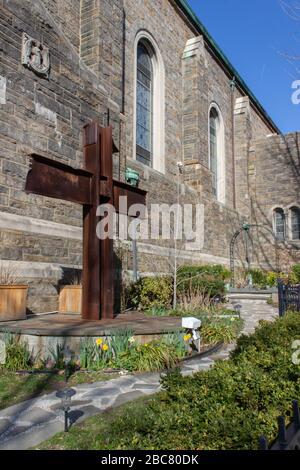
{"x":121,"y":351}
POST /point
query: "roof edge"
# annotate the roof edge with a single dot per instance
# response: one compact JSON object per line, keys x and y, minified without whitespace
{"x":193,"y":18}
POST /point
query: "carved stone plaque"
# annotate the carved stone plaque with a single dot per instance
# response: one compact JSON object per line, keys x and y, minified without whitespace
{"x":35,"y":56}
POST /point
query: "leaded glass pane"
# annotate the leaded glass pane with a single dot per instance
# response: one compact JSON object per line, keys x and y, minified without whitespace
{"x":143,"y":58}
{"x":295,"y":223}
{"x":280,"y":224}
{"x":214,"y":149}
{"x":144,"y":105}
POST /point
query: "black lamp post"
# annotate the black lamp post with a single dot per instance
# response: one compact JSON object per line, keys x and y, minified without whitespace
{"x":67,"y":360}
{"x":66,"y":398}
{"x":238,"y":308}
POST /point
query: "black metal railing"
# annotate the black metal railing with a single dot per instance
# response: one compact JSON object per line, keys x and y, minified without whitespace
{"x":289,"y":297}
{"x":288,"y":438}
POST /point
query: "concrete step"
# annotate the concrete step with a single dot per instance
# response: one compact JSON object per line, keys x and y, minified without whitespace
{"x":250,"y":296}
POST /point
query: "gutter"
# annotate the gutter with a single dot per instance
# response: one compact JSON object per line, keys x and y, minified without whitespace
{"x":191,"y":16}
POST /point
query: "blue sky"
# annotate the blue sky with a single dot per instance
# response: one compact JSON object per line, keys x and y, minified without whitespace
{"x":256,"y":36}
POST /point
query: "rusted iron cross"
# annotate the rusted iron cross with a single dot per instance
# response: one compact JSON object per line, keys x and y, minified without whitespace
{"x":89,"y":187}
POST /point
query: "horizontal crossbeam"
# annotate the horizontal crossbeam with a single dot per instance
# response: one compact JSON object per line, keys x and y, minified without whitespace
{"x":59,"y":181}
{"x":54,"y":179}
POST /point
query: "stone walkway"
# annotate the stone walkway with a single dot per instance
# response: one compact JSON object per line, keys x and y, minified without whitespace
{"x":29,"y":423}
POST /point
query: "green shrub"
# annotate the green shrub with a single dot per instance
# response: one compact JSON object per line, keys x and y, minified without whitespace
{"x":176,"y":340}
{"x":152,"y":293}
{"x":259,"y":278}
{"x":225,"y":331}
{"x":263,"y":279}
{"x":18,"y":356}
{"x":215,"y":328}
{"x":296,"y":273}
{"x":272,"y":278}
{"x":56,"y":356}
{"x":120,"y":341}
{"x":157,"y":312}
{"x":149,"y":357}
{"x":87,"y":353}
{"x":208,"y":280}
{"x":228,"y":407}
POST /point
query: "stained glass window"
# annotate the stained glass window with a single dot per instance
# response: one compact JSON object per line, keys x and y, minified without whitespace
{"x":279,"y":224}
{"x":214,"y":125}
{"x":295,"y":223}
{"x":144,"y":111}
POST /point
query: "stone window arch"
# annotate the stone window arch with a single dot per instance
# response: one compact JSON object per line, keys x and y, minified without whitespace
{"x":279,"y":223}
{"x":217,"y":152}
{"x":149,"y":103}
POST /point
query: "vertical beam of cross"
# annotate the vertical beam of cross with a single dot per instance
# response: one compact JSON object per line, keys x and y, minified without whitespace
{"x":98,"y":277}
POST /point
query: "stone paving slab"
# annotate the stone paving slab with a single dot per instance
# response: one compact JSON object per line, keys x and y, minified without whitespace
{"x":43,"y":417}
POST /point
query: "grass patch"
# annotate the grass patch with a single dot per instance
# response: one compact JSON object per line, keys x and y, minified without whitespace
{"x":96,"y":433}
{"x":15,"y":388}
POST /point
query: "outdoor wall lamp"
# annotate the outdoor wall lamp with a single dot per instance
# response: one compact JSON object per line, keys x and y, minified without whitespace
{"x":66,"y":399}
{"x":180,"y":167}
{"x":132,"y":177}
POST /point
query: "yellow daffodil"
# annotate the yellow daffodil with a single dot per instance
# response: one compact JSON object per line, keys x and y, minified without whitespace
{"x":99,"y":342}
{"x":105,"y":347}
{"x":187,"y":337}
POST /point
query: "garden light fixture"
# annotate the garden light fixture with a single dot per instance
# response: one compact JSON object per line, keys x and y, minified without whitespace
{"x":238,"y":308}
{"x":194,"y":325}
{"x":68,"y":356}
{"x":66,"y":399}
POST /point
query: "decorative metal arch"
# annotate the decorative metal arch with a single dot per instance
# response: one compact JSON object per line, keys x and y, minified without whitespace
{"x":244,"y":229}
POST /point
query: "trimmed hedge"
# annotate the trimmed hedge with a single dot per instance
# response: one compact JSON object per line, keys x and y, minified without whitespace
{"x":209,"y":280}
{"x":296,"y":272}
{"x":151,"y":293}
{"x":227,"y":407}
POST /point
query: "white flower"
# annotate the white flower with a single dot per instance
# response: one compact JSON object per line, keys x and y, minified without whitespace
{"x":132,"y":340}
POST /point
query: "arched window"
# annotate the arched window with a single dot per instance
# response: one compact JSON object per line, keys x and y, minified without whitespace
{"x":149,"y":104}
{"x":279,"y":224}
{"x":295,"y":223}
{"x":216,"y":153}
{"x":144,"y":104}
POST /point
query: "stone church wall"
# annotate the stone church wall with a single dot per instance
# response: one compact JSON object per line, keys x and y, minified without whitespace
{"x":43,"y":116}
{"x":91,"y":43}
{"x":275,"y":178}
